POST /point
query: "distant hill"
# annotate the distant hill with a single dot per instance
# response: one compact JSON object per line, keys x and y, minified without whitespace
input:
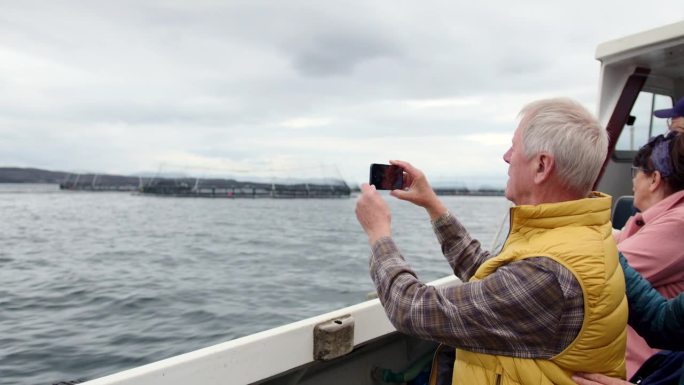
{"x":30,"y":175}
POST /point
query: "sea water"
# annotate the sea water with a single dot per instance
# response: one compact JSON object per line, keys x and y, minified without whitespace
{"x":95,"y":283}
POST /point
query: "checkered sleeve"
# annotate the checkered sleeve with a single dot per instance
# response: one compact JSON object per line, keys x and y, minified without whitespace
{"x":529,"y":309}
{"x":463,"y":253}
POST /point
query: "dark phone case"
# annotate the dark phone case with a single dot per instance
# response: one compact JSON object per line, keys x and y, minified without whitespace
{"x":386,"y":177}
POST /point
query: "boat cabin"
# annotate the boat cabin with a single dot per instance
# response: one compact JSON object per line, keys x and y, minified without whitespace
{"x":639,"y":74}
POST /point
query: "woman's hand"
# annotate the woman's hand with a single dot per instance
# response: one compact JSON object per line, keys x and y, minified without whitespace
{"x":597,"y":379}
{"x":418,"y":191}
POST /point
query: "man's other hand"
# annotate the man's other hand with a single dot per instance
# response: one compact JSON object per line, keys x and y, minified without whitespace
{"x":373,"y":214}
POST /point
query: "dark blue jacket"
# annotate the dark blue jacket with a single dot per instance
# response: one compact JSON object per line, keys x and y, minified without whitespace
{"x":659,"y":321}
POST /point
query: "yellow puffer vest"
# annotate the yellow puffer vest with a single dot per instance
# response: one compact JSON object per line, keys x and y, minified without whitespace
{"x":576,"y":234}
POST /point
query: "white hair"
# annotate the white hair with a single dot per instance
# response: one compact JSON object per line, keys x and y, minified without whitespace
{"x":566,"y":130}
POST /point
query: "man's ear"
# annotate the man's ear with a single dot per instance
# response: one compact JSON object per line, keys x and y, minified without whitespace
{"x":545,"y":164}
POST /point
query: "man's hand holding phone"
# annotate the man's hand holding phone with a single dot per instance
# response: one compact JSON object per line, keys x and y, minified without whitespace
{"x":417,"y":190}
{"x":407,"y":183}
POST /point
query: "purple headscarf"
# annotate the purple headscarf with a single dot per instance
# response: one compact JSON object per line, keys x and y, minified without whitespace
{"x":660,"y":156}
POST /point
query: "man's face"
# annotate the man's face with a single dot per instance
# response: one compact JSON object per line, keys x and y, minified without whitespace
{"x":520,"y":171}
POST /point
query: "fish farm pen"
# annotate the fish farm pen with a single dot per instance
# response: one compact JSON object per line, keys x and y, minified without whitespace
{"x":207,"y":188}
{"x":229,"y":188}
{"x":98,"y":182}
{"x":462,"y":191}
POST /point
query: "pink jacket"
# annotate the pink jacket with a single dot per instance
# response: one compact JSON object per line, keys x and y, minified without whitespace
{"x":652,"y":243}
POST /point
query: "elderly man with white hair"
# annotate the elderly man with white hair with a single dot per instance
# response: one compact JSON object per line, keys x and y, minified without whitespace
{"x":552,"y":302}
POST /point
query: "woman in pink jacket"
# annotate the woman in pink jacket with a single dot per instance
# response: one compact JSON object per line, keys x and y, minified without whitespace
{"x":652,"y":240}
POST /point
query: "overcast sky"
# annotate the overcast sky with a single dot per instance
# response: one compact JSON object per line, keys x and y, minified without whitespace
{"x":293,"y":87}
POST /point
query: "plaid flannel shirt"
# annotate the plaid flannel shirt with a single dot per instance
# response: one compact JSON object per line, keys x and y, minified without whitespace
{"x":530,"y":309}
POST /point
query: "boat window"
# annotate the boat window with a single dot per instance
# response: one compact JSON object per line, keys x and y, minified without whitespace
{"x":642,"y":124}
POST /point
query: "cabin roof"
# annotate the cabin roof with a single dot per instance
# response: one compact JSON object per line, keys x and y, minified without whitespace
{"x":656,"y":48}
{"x":636,"y":42}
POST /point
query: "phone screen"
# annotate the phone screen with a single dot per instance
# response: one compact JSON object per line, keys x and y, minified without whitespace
{"x":386,"y":177}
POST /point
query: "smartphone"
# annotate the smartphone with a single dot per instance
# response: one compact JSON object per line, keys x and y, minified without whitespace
{"x":386,"y":176}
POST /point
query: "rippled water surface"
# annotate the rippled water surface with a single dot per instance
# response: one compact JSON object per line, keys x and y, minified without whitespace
{"x":94,"y":283}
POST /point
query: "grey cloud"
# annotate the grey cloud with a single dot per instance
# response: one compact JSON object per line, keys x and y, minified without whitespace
{"x":339,"y":54}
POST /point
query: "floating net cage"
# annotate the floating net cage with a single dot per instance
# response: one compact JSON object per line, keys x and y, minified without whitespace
{"x":102,"y":182}
{"x":316,"y":182}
